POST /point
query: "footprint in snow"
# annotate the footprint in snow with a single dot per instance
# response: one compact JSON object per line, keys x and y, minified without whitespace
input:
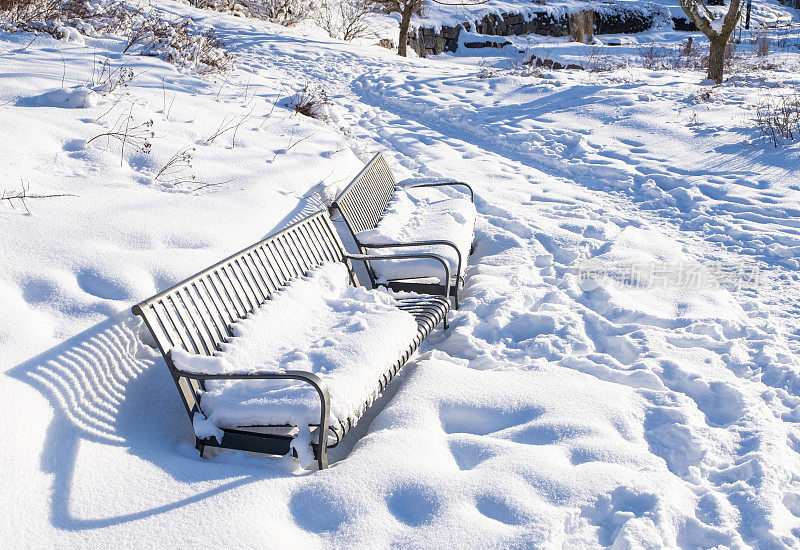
{"x":414,"y":504}
{"x":544,"y":434}
{"x":318,"y":509}
{"x":498,"y":509}
{"x":95,"y":283}
{"x":483,"y":420}
{"x":468,"y":453}
{"x":75,"y":145}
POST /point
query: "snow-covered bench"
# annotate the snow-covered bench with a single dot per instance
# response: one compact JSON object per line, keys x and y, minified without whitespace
{"x":415,"y":218}
{"x":278,"y":340}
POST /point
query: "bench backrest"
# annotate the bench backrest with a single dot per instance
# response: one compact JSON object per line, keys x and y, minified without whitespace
{"x":196,"y":314}
{"x":364,"y":200}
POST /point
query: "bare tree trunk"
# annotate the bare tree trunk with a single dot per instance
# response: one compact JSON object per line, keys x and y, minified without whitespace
{"x":405,"y":22}
{"x":716,"y":59}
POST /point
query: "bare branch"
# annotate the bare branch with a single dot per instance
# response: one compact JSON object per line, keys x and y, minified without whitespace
{"x":23,"y":195}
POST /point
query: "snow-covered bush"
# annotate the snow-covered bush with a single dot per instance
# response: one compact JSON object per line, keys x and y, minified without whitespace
{"x":58,"y":17}
{"x":28,"y":10}
{"x":181,"y":42}
{"x":284,"y":12}
{"x":344,"y":19}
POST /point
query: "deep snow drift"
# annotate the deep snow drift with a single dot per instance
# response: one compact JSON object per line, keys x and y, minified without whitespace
{"x":587,"y":393}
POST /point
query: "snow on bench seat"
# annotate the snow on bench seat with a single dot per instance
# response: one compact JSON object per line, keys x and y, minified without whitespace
{"x":423,"y":214}
{"x":347,"y":336}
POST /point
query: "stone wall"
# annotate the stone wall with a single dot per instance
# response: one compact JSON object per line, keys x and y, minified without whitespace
{"x":610,"y":20}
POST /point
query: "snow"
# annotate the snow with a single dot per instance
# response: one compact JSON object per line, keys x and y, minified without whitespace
{"x":347,"y":336}
{"x":423,"y":214}
{"x":623,"y":415}
{"x":80,"y":97}
{"x":643,"y":272}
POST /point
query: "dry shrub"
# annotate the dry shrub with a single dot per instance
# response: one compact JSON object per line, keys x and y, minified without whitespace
{"x":731,"y":55}
{"x":687,"y":56}
{"x":28,"y":11}
{"x":597,"y":62}
{"x":778,"y":118}
{"x":656,"y":57}
{"x":344,"y":19}
{"x":762,"y":43}
{"x":311,"y":101}
{"x":284,"y":12}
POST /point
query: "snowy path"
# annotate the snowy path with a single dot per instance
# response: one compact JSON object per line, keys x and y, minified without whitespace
{"x":548,"y":415}
{"x":713,"y":376}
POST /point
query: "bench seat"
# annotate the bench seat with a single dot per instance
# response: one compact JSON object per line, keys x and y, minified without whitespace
{"x":418,"y":215}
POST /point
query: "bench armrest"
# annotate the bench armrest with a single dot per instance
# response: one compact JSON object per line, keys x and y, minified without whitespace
{"x":421,"y":243}
{"x":309,"y":377}
{"x":445,"y":263}
{"x":446,"y":184}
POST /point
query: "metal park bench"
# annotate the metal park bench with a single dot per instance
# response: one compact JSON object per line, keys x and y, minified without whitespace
{"x":362,"y":205}
{"x":196,"y":315}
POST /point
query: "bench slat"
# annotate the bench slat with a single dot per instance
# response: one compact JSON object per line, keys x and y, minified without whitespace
{"x":364,"y":200}
{"x":221,"y":298}
{"x":269,"y":269}
{"x":192,"y":301}
{"x":175,"y":324}
{"x":216,"y":328}
{"x":251,"y":263}
{"x":246,"y":285}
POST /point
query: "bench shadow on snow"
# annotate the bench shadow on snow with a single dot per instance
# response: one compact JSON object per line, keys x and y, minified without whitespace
{"x":105,"y":386}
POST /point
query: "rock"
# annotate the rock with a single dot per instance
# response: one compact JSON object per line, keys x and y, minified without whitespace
{"x":582,"y":25}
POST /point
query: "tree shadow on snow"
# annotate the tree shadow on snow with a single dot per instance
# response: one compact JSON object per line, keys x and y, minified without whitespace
{"x":106,"y":387}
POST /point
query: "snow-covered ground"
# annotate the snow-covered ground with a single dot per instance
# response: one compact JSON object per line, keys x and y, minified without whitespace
{"x":597,"y":386}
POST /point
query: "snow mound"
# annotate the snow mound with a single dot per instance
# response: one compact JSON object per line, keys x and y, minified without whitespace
{"x":348,"y":336}
{"x":79,"y":97}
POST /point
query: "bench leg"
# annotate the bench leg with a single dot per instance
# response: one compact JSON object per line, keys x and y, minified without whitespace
{"x":322,"y":451}
{"x":200,"y":446}
{"x":324,"y":416}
